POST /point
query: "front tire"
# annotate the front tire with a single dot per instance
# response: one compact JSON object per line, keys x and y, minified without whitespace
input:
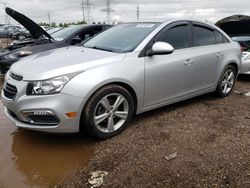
{"x":227,"y":82}
{"x":108,"y":112}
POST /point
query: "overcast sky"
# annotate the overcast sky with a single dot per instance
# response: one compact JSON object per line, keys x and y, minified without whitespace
{"x":125,"y":10}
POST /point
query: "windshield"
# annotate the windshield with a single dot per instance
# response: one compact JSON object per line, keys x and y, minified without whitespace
{"x":54,"y":30}
{"x":64,"y":33}
{"x":122,"y":38}
{"x":241,"y":38}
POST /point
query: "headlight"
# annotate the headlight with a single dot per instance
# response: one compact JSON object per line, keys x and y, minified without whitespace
{"x":18,"y":54}
{"x":47,"y":87}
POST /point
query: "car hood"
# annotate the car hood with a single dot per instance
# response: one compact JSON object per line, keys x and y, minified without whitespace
{"x":236,"y":25}
{"x":63,"y":61}
{"x":35,"y":30}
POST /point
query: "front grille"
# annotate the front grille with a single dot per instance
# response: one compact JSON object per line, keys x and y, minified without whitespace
{"x":16,"y":77}
{"x":44,"y":119}
{"x":9,"y":91}
{"x":38,"y":120}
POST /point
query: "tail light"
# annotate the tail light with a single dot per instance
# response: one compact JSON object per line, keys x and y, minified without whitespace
{"x":243,"y":48}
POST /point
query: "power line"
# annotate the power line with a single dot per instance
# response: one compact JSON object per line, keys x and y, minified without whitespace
{"x":108,"y":10}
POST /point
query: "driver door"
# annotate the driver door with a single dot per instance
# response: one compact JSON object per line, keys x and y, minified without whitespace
{"x":170,"y":77}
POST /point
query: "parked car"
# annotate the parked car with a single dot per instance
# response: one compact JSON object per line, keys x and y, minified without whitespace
{"x":129,"y":69}
{"x":20,"y":34}
{"x":43,"y":41}
{"x":27,"y":39}
{"x":54,"y":30}
{"x":237,"y":27}
{"x":6,"y":30}
{"x":245,"y":46}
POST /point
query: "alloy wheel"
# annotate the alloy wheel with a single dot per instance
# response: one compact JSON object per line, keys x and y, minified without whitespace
{"x":111,"y":113}
{"x":228,"y":81}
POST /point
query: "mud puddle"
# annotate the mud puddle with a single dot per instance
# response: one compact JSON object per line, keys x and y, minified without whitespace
{"x":30,"y":159}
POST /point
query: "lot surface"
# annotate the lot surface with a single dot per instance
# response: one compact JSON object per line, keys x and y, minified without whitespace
{"x":211,"y":137}
{"x":29,"y":159}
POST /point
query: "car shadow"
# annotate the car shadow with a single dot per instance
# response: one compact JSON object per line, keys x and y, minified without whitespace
{"x":244,"y":78}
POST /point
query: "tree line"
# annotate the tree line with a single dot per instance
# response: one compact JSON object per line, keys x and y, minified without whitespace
{"x":54,"y":24}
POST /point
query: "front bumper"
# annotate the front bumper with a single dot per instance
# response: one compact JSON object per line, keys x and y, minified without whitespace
{"x":59,"y":104}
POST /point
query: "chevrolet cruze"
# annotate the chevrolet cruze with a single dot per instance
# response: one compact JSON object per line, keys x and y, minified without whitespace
{"x":129,"y":69}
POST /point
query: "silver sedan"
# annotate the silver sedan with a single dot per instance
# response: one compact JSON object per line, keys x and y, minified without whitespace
{"x":129,"y":69}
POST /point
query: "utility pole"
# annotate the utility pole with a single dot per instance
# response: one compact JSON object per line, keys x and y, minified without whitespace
{"x":138,"y":12}
{"x":6,"y":16}
{"x":49,"y":17}
{"x":88,"y":9}
{"x":108,"y":11}
{"x":83,"y":11}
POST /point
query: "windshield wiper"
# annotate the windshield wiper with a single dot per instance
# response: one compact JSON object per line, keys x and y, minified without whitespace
{"x":104,"y":49}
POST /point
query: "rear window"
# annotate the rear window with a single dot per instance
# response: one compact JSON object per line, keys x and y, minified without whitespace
{"x":203,"y":36}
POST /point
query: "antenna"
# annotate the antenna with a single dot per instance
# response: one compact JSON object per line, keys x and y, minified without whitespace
{"x":108,"y":10}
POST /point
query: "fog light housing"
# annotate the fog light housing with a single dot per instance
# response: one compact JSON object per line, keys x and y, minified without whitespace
{"x":40,"y":117}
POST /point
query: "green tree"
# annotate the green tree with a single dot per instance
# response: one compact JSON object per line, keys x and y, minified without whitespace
{"x":53,"y":24}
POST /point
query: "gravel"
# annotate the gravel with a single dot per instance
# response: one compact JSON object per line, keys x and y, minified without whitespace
{"x":210,"y":135}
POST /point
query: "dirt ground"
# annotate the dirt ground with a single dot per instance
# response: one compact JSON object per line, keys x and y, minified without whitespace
{"x":211,"y":137}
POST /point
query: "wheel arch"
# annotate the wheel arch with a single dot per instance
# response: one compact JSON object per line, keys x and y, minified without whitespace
{"x":123,"y":84}
{"x":235,"y":65}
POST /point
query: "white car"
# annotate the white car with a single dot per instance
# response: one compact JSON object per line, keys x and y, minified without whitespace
{"x":245,"y":46}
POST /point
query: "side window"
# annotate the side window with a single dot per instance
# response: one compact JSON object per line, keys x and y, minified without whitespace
{"x":89,"y":34}
{"x":177,"y":36}
{"x":203,"y":36}
{"x":220,"y":38}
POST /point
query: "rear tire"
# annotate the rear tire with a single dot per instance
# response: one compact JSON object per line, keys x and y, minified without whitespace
{"x":227,"y":82}
{"x":108,"y":112}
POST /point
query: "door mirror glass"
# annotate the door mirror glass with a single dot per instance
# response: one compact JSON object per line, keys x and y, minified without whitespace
{"x":161,"y":48}
{"x":76,"y":40}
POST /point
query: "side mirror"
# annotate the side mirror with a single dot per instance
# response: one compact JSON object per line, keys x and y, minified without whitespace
{"x":160,"y":48}
{"x":76,"y":40}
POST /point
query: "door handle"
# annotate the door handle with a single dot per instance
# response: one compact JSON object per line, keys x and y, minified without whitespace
{"x":219,"y":54}
{"x":189,"y":62}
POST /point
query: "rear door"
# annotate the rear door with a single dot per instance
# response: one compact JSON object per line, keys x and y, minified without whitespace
{"x":207,"y":56}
